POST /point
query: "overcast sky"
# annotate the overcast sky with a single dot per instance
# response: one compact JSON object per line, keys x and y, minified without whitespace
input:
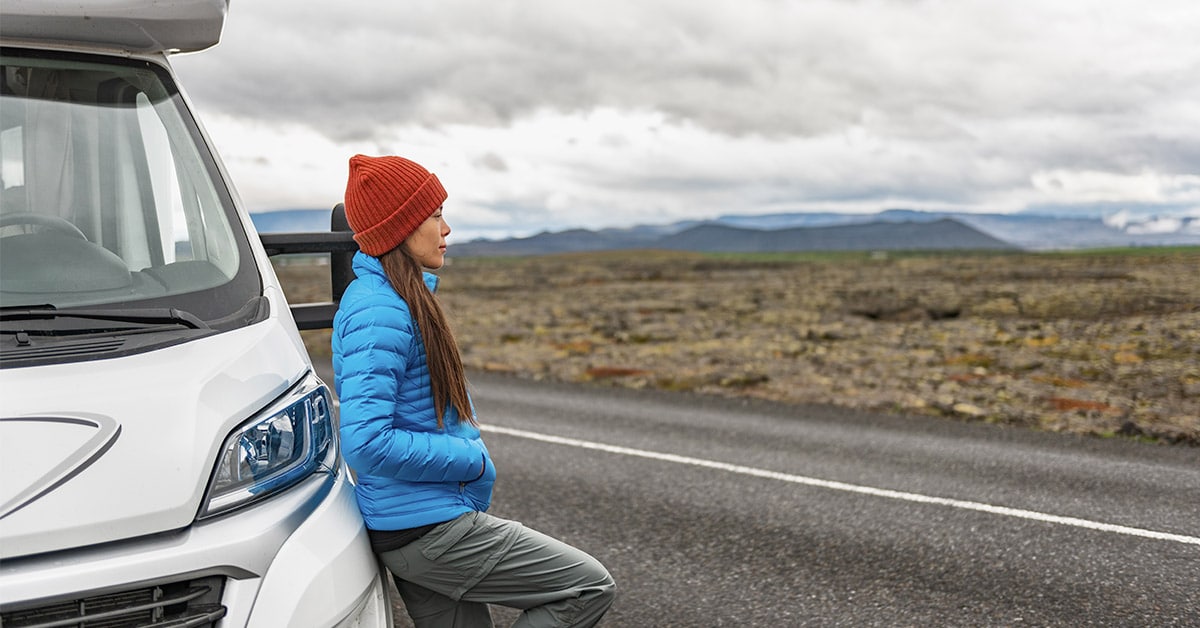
{"x":544,"y":115}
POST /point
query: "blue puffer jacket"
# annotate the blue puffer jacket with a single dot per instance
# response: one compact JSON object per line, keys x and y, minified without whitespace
{"x":409,"y":472}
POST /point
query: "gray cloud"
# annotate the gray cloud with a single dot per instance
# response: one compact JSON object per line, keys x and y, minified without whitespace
{"x":929,"y":99}
{"x":766,"y":67}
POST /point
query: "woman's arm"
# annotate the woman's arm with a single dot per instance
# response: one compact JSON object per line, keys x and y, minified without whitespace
{"x":374,"y":347}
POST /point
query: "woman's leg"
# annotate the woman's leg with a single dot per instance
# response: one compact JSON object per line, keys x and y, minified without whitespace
{"x":429,"y":609}
{"x":554,"y":583}
{"x":487,"y":560}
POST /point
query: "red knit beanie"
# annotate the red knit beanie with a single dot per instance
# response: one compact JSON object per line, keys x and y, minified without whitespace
{"x":387,"y":198}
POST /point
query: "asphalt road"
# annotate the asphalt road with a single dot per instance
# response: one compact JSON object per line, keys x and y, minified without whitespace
{"x":712,"y":512}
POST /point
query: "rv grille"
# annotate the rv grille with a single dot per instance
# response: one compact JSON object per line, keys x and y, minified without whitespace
{"x":188,"y":604}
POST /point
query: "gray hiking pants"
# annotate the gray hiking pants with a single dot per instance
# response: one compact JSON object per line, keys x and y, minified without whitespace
{"x":449,"y":576}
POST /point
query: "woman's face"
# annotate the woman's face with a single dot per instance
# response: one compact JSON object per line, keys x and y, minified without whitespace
{"x":428,"y":243}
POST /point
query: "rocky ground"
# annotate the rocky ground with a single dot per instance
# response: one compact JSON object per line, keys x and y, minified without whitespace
{"x":1097,"y":343}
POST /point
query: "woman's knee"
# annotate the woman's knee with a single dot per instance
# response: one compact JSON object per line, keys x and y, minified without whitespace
{"x":604,"y":588}
{"x":594,"y":601}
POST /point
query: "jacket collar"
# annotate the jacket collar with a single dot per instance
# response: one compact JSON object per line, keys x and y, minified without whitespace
{"x":369,"y":265}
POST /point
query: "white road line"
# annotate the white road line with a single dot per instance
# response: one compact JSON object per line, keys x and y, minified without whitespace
{"x":851,"y":488}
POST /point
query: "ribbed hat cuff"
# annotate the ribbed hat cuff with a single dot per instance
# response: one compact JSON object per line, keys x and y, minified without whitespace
{"x":390,"y":232}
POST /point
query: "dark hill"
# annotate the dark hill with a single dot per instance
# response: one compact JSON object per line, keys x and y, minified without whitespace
{"x":944,"y":234}
{"x":573,"y":240}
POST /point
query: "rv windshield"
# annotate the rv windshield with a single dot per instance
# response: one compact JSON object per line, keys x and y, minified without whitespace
{"x":110,"y":199}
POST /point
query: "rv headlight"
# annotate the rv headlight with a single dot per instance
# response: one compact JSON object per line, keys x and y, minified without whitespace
{"x":287,"y":442}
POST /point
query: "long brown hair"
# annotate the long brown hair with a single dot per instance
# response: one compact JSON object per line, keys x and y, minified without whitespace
{"x":446,"y":375}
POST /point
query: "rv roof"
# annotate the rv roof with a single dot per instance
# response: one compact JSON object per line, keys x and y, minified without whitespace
{"x":132,"y":25}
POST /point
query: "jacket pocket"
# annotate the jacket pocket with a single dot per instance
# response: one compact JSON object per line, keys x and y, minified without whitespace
{"x":478,"y":492}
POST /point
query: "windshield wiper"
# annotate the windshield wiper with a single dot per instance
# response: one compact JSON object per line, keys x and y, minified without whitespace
{"x":140,"y":316}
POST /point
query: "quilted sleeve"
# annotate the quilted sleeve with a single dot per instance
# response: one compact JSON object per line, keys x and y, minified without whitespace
{"x":372,"y":344}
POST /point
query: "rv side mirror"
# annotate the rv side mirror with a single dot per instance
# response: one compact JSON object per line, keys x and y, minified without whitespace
{"x":341,"y":271}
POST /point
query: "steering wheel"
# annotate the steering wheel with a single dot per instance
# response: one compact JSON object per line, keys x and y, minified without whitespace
{"x":42,"y":220}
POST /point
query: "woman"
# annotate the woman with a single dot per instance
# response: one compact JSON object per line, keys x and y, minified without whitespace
{"x":409,"y":431}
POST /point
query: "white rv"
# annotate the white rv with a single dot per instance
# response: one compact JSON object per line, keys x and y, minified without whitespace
{"x":168,"y":457}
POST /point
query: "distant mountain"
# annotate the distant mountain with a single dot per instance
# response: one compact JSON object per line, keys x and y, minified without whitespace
{"x":942,"y":234}
{"x":887,"y":230}
{"x":938,"y":234}
{"x":1050,"y":232}
{"x":559,"y":242}
{"x":1026,"y":230}
{"x":291,"y":220}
